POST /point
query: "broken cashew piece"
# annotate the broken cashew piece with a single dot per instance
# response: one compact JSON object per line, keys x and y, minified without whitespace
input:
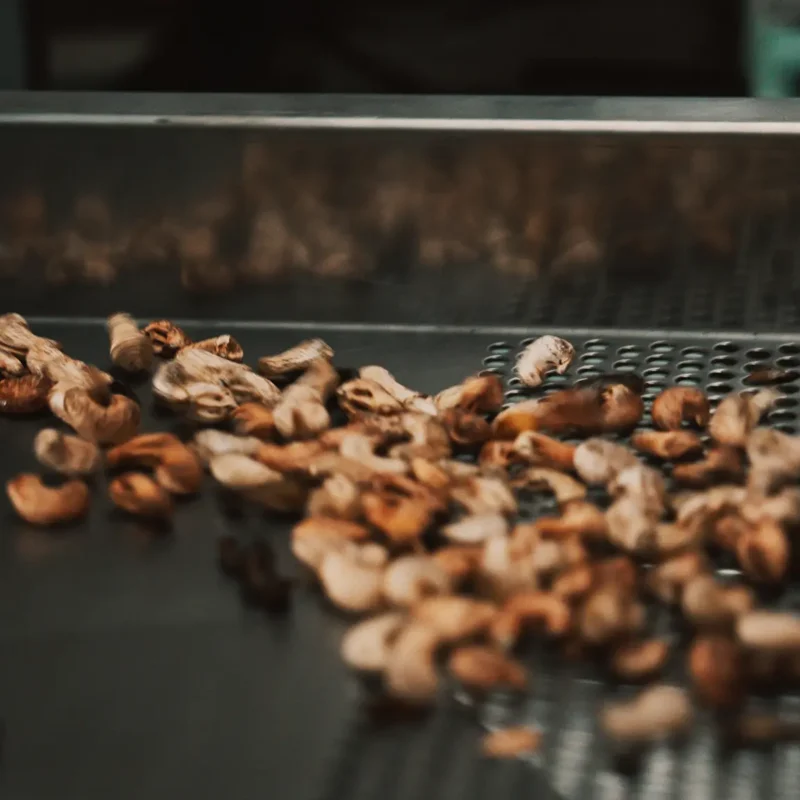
{"x":409,"y":579}
{"x":656,"y":713}
{"x":295,"y":358}
{"x":140,"y":495}
{"x":352,"y":578}
{"x":410,"y":673}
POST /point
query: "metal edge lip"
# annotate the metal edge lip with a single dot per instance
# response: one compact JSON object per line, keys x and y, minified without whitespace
{"x":373,"y":112}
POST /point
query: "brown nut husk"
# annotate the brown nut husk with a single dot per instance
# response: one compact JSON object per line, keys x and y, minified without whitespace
{"x":484,"y":669}
{"x":717,"y":669}
{"x":67,"y":455}
{"x":176,"y":468}
{"x":680,"y":404}
{"x":105,"y":423}
{"x":24,"y":395}
{"x":166,"y":337}
{"x":671,"y":445}
{"x":224,"y":346}
{"x":511,"y":742}
{"x":295,"y":358}
{"x":737,"y":415}
{"x":542,"y":355}
{"x":131,"y":349}
{"x":44,"y":505}
{"x":657,"y":712}
{"x":140,"y":495}
{"x":480,"y":394}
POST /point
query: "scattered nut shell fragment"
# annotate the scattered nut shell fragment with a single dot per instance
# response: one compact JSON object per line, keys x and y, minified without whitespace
{"x":254,"y":419}
{"x":657,"y":712}
{"x":224,"y":346}
{"x":670,"y":445}
{"x":65,"y":454}
{"x":542,"y":355}
{"x":176,"y":468}
{"x":139,"y":494}
{"x":480,"y":394}
{"x":738,"y":414}
{"x":716,"y":666}
{"x":679,"y":404}
{"x":721,"y":465}
{"x":483,"y":668}
{"x":166,"y":337}
{"x":511,"y":742}
{"x":45,"y":505}
{"x":769,"y":630}
{"x":131,"y":349}
{"x":639,"y":660}
{"x":361,"y":396}
{"x":411,"y":673}
{"x":24,"y":395}
{"x":367,"y":645}
{"x":352,"y":578}
{"x":105,"y":423}
{"x":295,"y":358}
{"x":409,"y":579}
{"x":598,"y":461}
{"x":408,"y":399}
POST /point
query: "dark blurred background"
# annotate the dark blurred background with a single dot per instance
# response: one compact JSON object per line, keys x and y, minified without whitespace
{"x":628,"y":47}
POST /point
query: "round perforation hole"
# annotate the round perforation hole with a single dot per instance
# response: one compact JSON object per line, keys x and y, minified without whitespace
{"x":719,"y":389}
{"x":501,"y":348}
{"x":655,"y":375}
{"x":789,"y":388}
{"x":589,"y":372}
{"x":787,"y":361}
{"x":694,"y":352}
{"x":783,"y":415}
{"x":624,"y":365}
{"x":754,"y":366}
{"x":786,"y":402}
{"x":592,"y":358}
{"x":596,"y":345}
{"x":726,"y":347}
{"x":555,"y":378}
{"x":490,"y":371}
{"x":724,"y":361}
{"x":717,"y":375}
{"x":785,"y":427}
{"x":662,"y":347}
{"x":749,"y":392}
{"x":790,"y":349}
{"x":657,"y":361}
{"x":689,"y":367}
{"x":629,"y":350}
{"x":688,"y":380}
{"x":495,"y":361}
{"x":757,"y":353}
{"x":514,"y":382}
{"x":515,"y":394}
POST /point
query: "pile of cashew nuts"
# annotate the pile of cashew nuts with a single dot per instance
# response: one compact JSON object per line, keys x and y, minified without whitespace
{"x":409,"y":518}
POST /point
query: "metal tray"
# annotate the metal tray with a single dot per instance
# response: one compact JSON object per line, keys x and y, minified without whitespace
{"x":129,"y":667}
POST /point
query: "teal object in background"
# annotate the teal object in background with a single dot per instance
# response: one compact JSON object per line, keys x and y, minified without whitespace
{"x":773,"y":47}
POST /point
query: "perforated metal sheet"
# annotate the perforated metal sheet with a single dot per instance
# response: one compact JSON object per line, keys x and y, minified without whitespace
{"x":129,"y":669}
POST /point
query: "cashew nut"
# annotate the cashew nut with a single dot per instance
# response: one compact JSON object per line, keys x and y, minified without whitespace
{"x":680,"y":404}
{"x":353,"y":577}
{"x":542,"y":355}
{"x":367,"y":646}
{"x":408,"y":399}
{"x":45,"y":505}
{"x":131,"y":349}
{"x":657,"y":712}
{"x":409,"y":579}
{"x":66,"y":454}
